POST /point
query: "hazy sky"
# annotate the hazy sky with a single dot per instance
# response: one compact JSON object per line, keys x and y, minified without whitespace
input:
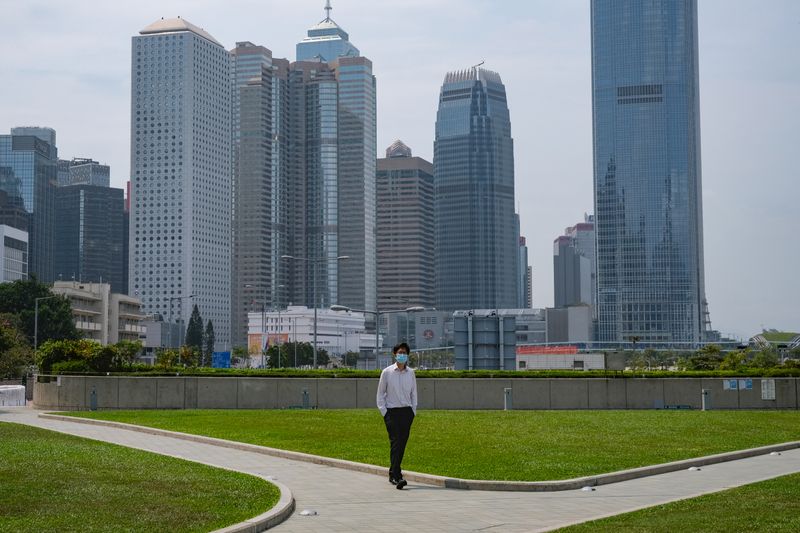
{"x":66,"y":64}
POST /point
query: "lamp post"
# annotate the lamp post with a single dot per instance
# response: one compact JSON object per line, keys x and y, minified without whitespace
{"x":36,"y":320}
{"x":377,"y":314}
{"x":171,"y":299}
{"x":314,"y":262}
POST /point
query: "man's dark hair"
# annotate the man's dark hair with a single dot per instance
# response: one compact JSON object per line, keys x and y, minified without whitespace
{"x":401,"y":345}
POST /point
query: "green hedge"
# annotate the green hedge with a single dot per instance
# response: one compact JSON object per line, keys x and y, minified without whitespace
{"x":142,"y":370}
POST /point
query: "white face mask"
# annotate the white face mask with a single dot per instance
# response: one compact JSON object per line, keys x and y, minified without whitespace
{"x":401,"y":358}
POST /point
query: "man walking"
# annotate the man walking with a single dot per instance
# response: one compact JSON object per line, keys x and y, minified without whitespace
{"x":397,"y":401}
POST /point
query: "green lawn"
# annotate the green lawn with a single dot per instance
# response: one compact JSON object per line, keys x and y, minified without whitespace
{"x":505,"y":445}
{"x":55,"y":482}
{"x":772,"y":505}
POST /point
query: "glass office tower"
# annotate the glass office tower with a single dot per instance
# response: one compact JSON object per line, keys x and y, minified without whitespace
{"x":28,"y":174}
{"x":477,"y":242}
{"x":647,"y":180}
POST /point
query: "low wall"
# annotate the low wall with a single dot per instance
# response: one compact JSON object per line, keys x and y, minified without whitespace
{"x":191,"y":392}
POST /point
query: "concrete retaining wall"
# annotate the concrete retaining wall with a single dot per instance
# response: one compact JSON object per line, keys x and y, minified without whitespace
{"x":192,"y":392}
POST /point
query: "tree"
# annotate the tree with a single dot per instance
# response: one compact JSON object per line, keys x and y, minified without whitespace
{"x":78,"y":355}
{"x":194,"y":331}
{"x":127,"y":351}
{"x":166,"y":358}
{"x":766,"y":358}
{"x":55,"y":314}
{"x":239,"y":356}
{"x":708,"y":357}
{"x":350,"y":358}
{"x":208,"y":341}
{"x":734,"y":360}
{"x":15,"y":353}
{"x":278,"y":356}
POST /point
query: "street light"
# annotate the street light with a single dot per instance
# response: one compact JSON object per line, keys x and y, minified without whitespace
{"x":314,"y":262}
{"x":36,"y":320}
{"x":414,"y":309}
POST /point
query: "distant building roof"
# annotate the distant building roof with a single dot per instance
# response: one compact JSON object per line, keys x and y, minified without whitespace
{"x":398,"y":149}
{"x":176,"y":25}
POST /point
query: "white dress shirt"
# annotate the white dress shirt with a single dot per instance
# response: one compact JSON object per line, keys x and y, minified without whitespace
{"x":397,"y":388}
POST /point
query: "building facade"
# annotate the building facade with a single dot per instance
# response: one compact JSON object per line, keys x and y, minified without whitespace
{"x":477,"y":242}
{"x":82,"y":171}
{"x":260,"y":193}
{"x":332,"y":152}
{"x":180,"y":227}
{"x":28,"y":173}
{"x":647,"y":176}
{"x":90,"y":235}
{"x":405,"y":230}
{"x":102,"y":315}
{"x":574,"y":263}
{"x":14,"y":252}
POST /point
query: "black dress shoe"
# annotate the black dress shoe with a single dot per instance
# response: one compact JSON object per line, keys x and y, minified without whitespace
{"x":401,"y":483}
{"x":392,"y":480}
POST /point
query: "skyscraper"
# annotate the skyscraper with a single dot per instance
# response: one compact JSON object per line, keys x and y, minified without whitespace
{"x":28,"y":174}
{"x":304,"y":150}
{"x":180,"y":230}
{"x":259,"y":194}
{"x":405,"y":230}
{"x":331,"y":174}
{"x":647,"y":178}
{"x":574,"y":261}
{"x":89,"y":236}
{"x":477,"y":242}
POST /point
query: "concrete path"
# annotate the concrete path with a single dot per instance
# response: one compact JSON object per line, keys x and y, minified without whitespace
{"x":354,"y":501}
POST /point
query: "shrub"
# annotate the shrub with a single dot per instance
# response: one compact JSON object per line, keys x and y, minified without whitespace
{"x":74,"y":366}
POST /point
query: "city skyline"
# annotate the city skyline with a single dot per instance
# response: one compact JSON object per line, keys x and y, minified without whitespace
{"x":747,"y":65}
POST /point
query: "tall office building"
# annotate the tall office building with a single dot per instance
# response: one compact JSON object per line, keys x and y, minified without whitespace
{"x":647,"y":177}
{"x":332,"y":134}
{"x":477,"y":242}
{"x":522,"y":272}
{"x":83,"y":171}
{"x":180,"y":229}
{"x":89,"y":236}
{"x":405,"y":230}
{"x":574,"y":278}
{"x":260,"y":193}
{"x":28,"y":174}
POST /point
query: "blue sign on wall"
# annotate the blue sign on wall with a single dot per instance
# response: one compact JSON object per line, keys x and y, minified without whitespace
{"x":221,"y":359}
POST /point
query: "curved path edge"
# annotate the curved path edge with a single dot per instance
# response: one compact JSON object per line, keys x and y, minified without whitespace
{"x":448,"y":482}
{"x":278,"y":514}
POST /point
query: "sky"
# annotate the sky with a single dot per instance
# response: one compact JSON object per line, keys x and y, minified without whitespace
{"x":66,"y":64}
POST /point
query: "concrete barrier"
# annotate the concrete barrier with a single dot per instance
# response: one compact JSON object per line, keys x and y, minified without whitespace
{"x":193,"y":392}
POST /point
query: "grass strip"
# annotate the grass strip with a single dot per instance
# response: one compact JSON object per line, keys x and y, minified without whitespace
{"x":55,"y":482}
{"x":497,"y":445}
{"x":772,"y":505}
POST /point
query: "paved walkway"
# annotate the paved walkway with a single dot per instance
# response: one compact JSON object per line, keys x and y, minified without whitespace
{"x":353,"y":501}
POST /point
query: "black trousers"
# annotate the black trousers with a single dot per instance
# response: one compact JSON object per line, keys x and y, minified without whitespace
{"x":398,"y":424}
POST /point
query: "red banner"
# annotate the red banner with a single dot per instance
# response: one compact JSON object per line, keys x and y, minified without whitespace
{"x":546,"y":350}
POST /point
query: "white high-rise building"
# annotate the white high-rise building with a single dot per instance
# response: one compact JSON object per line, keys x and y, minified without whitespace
{"x":180,"y":229}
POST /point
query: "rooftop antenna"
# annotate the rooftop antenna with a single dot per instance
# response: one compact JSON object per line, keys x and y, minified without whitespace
{"x":328,"y":9}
